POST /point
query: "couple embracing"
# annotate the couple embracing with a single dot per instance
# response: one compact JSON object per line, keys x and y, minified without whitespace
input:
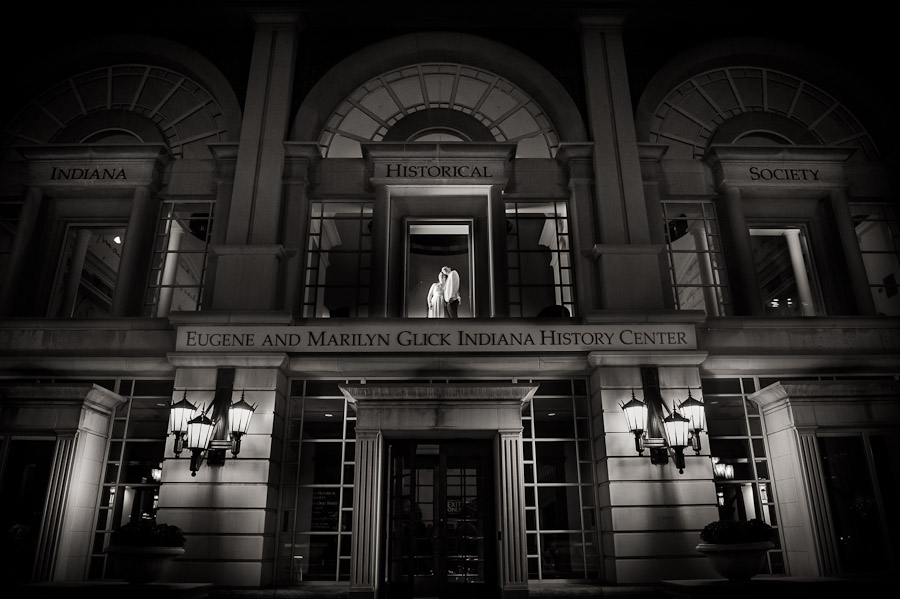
{"x":443,"y":297}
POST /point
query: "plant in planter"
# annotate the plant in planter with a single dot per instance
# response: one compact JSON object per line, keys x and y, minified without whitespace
{"x":737,"y":549}
{"x":142,"y":551}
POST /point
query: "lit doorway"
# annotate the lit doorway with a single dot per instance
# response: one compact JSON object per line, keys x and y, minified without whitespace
{"x":431,"y":245}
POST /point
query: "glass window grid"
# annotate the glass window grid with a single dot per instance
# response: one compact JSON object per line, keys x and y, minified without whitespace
{"x":561,"y":255}
{"x":535,"y":534}
{"x":288,"y":569}
{"x":756,"y":444}
{"x":96,"y":284}
{"x":162,"y":254}
{"x":113,"y":485}
{"x":113,"y":472}
{"x":317,"y":258}
{"x":772,"y":306}
{"x":755,"y":458}
{"x":705,"y":214}
{"x":885,"y":215}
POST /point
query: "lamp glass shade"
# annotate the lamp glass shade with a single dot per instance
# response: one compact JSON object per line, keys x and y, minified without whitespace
{"x":678,"y":429}
{"x":182,"y":412}
{"x":239,"y":415}
{"x":693,"y":411}
{"x":199,"y":431}
{"x":719,"y":469}
{"x":635,"y":415}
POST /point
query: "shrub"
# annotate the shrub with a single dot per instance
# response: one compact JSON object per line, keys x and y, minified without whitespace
{"x":148,"y":534}
{"x":729,"y":532}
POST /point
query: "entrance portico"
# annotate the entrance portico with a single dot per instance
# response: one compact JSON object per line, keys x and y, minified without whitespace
{"x":457,"y":411}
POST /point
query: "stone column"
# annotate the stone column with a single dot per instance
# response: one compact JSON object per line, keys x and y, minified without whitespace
{"x":649,"y":514}
{"x":76,"y":266}
{"x":379,"y":296}
{"x":57,"y":496}
{"x":707,"y":277}
{"x":809,"y":549}
{"x":82,"y":415}
{"x":229,"y":511}
{"x":252,"y":257}
{"x":749,"y":294}
{"x":513,"y":564}
{"x":826,"y":548}
{"x":801,"y":276}
{"x":130,"y":280}
{"x":498,"y":264}
{"x":620,"y":209}
{"x":367,"y":541}
{"x":18,"y":258}
{"x":256,"y":200}
{"x":170,"y":269}
{"x":578,"y":159}
{"x":621,"y":212}
{"x":859,"y":278}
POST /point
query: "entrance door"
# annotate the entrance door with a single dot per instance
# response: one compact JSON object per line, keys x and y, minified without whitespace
{"x":441,"y":515}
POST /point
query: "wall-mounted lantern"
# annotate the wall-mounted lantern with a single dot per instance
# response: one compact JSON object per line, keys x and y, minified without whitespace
{"x":192,"y":427}
{"x":679,"y":429}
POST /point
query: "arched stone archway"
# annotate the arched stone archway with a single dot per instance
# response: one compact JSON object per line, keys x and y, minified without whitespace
{"x":718,"y":92}
{"x":152,"y":90}
{"x":451,"y":48}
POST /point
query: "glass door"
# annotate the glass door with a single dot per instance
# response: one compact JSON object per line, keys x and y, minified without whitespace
{"x":441,"y":520}
{"x":24,"y":481}
{"x":861,"y":484}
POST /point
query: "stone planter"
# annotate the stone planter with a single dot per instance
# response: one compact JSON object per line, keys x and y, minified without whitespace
{"x":139,"y":565}
{"x":736,"y":561}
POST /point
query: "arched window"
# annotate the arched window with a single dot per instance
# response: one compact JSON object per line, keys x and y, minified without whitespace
{"x":438,"y":102}
{"x":747,"y":105}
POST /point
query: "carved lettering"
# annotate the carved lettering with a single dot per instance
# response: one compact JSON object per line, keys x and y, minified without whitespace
{"x":433,"y":171}
{"x":783,"y":174}
{"x":87,"y":174}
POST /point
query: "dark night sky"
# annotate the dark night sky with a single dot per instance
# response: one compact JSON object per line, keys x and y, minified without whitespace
{"x":855,"y":38}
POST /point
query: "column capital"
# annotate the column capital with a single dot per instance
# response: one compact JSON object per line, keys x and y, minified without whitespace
{"x":275,"y":18}
{"x":510,"y":432}
{"x":603,"y":22}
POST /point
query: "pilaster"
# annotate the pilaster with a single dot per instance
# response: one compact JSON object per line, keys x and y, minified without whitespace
{"x":513,"y":565}
{"x":650,"y":515}
{"x":18,"y":258}
{"x":228,"y":511}
{"x":367,"y":543}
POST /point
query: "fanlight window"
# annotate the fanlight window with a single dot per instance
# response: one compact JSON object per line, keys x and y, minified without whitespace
{"x":469,"y":103}
{"x":697,"y":112}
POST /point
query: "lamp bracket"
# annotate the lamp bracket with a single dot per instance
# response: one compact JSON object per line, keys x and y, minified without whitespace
{"x":659,"y":456}
{"x":216,"y":457}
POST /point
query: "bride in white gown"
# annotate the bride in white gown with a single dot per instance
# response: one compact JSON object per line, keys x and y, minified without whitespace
{"x":436,"y":297}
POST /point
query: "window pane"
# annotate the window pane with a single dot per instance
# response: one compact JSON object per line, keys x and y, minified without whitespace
{"x":694,"y":258}
{"x":539,"y":258}
{"x":338,"y":259}
{"x":559,"y":508}
{"x":180,"y":257}
{"x":89,"y":267}
{"x":562,"y":556}
{"x":784,"y":271}
{"x":854,"y":508}
{"x":878,"y":233}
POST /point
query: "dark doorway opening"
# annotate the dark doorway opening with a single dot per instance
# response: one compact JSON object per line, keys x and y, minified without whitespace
{"x":441,"y":527}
